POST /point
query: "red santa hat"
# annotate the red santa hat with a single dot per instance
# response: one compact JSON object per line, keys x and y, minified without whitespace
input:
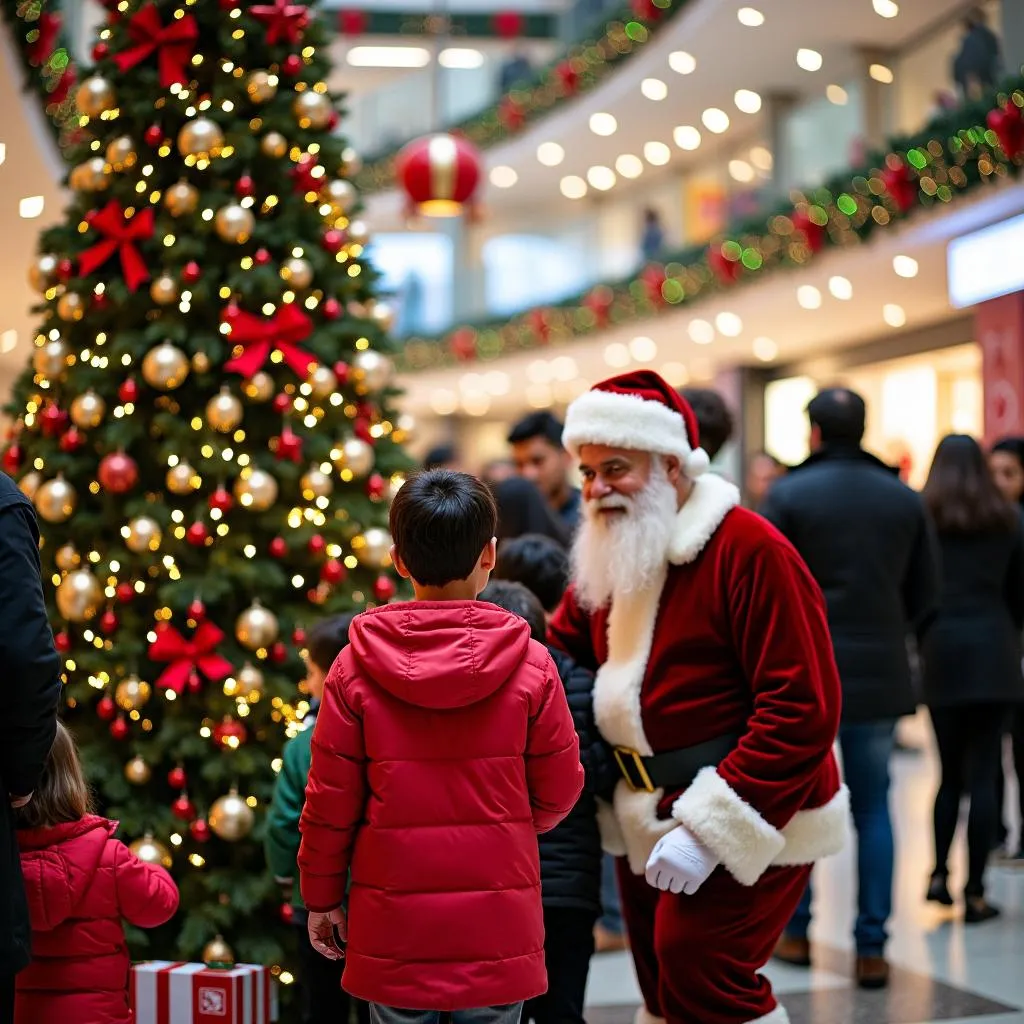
{"x":638,"y":411}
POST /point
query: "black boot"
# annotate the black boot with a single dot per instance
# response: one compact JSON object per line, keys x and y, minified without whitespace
{"x":938,"y":890}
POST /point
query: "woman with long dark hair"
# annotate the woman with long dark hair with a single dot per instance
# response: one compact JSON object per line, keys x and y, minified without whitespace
{"x":522,"y":509}
{"x":971,"y":654}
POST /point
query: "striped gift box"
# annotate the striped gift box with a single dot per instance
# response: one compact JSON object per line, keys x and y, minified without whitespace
{"x":165,"y":992}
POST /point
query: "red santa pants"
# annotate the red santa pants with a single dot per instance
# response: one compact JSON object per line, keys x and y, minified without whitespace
{"x":697,"y":957}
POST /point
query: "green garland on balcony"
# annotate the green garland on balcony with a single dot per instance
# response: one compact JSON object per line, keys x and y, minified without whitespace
{"x":961,"y":152}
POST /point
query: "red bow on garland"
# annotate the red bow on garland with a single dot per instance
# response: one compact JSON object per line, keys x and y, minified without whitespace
{"x":172,"y":44}
{"x":59,"y":93}
{"x":285,"y":21}
{"x":121,"y":235}
{"x":47,"y":28}
{"x":259,"y":337}
{"x":188,"y":656}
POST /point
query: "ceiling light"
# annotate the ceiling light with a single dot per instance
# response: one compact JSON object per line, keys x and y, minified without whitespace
{"x":765,"y":349}
{"x":808,"y":296}
{"x":740,"y":170}
{"x":30,"y":207}
{"x":881,"y":73}
{"x":885,"y":8}
{"x":460,"y":58}
{"x":539,"y":396}
{"x":701,"y":332}
{"x":601,"y":178}
{"x":564,"y":368}
{"x":905,"y":266}
{"x":550,"y":154}
{"x":8,"y":341}
{"x":750,"y":16}
{"x":476,"y":403}
{"x":682,"y":63}
{"x":675,"y":374}
{"x":443,"y":401}
{"x":643,"y":350}
{"x":573,"y":187}
{"x":894,"y":314}
{"x":686,"y":137}
{"x":388,"y":57}
{"x":629,"y":166}
{"x":654,"y":89}
{"x":603,"y":124}
{"x":3,"y":152}
{"x":657,"y":153}
{"x":539,"y":372}
{"x":809,"y":60}
{"x":840,"y":288}
{"x":747,"y":101}
{"x":837,"y":94}
{"x":761,"y":158}
{"x":497,"y":383}
{"x":617,"y":356}
{"x":503,"y":177}
{"x":729,"y":324}
{"x":715,"y":120}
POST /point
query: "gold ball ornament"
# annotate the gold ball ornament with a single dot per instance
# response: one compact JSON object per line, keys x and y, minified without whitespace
{"x":93,"y":175}
{"x":121,"y":153}
{"x":234,"y":223}
{"x":358,"y":232}
{"x":67,"y":558}
{"x":256,"y":627}
{"x":147,"y":849}
{"x":231,"y":818}
{"x":143,"y":533}
{"x":70,"y":307}
{"x":312,"y":110}
{"x":201,"y":138}
{"x":181,"y":199}
{"x":297,"y":272}
{"x":88,"y":410}
{"x":51,"y":360}
{"x":30,"y":483}
{"x":137,"y":771}
{"x":132,"y":693}
{"x":257,"y":490}
{"x":95,"y":96}
{"x":218,"y":952}
{"x":261,"y":86}
{"x":260,"y":387}
{"x":323,"y":382}
{"x":79,"y":596}
{"x":315,"y":484}
{"x":182,"y":479}
{"x":339,"y":195}
{"x":165,"y":367}
{"x":351,"y":162}
{"x":274,"y":144}
{"x":164,"y":290}
{"x":373,"y":548}
{"x":43,"y":272}
{"x":383,"y":315}
{"x":251,"y":684}
{"x":371,"y":371}
{"x":200,"y":362}
{"x":55,"y":501}
{"x":356,"y":455}
{"x":224,"y":412}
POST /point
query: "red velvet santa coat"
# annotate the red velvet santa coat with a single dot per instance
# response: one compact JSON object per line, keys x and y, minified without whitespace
{"x":734,"y":641}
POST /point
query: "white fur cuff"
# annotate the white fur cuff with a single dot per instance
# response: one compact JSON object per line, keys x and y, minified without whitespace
{"x":725,"y":823}
{"x":777,"y":1016}
{"x":644,"y":1016}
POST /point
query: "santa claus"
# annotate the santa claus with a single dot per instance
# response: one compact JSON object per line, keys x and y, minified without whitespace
{"x":717,"y":688}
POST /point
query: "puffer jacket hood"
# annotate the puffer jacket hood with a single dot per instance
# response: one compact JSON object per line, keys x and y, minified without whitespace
{"x":439,"y":654}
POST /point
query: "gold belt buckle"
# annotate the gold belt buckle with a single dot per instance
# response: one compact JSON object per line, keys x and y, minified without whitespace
{"x":630,"y":760}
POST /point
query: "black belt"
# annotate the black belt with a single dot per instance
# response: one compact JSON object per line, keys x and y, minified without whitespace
{"x":675,"y":769}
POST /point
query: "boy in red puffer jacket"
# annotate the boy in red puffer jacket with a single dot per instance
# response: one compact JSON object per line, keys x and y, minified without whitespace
{"x":80,"y":882}
{"x":444,"y":744}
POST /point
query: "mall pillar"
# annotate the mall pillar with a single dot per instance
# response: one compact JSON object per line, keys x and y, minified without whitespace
{"x":1011,"y":16}
{"x":999,"y":330}
{"x":778,"y":107}
{"x":877,"y":99}
{"x":468,"y":296}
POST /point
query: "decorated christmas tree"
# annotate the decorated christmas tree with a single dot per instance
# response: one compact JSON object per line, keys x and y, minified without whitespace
{"x":206,"y":433}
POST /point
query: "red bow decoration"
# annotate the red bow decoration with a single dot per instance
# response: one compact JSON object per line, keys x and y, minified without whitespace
{"x":172,"y":43}
{"x":568,"y":77}
{"x":259,"y":337}
{"x":813,"y":233}
{"x":725,"y":269}
{"x":599,"y":301}
{"x":653,"y":277}
{"x":511,"y":114}
{"x":121,"y":235}
{"x":1007,"y":123}
{"x":48,"y":27}
{"x":59,"y":93}
{"x":285,"y":22}
{"x":540,"y":325}
{"x":901,"y":185}
{"x":188,"y":656}
{"x":462,"y":344}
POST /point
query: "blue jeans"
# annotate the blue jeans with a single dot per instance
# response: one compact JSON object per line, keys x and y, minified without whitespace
{"x":866,"y":748}
{"x":611,"y":905}
{"x":509,"y":1014}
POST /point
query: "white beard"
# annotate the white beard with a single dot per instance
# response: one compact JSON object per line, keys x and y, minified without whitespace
{"x":622,"y":554}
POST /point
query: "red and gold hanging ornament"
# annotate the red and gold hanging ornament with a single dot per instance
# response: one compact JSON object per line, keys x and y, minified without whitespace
{"x":259,"y":336}
{"x":121,"y":234}
{"x":806,"y":225}
{"x":186,"y":658}
{"x":285,"y":22}
{"x":118,"y":473}
{"x":1007,"y":124}
{"x":172,"y":43}
{"x":900,"y":183}
{"x":439,"y":174}
{"x":47,"y":29}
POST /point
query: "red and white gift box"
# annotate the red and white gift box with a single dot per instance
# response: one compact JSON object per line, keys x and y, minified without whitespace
{"x":165,"y":992}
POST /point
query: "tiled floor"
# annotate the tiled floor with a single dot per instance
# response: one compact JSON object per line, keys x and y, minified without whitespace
{"x":943,"y":971}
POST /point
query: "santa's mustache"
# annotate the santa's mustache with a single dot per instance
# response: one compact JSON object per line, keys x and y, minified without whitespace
{"x":611,"y":503}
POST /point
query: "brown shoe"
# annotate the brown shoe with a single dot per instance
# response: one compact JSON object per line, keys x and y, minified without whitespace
{"x":606,"y":941}
{"x":872,"y":972}
{"x":792,"y":950}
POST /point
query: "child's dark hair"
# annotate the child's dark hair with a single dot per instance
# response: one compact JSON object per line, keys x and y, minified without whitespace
{"x":515,"y":598}
{"x":327,"y":639}
{"x":62,"y":794}
{"x":539,"y":563}
{"x":441,"y":521}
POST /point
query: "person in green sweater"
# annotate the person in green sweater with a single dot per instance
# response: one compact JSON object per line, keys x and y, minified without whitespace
{"x":323,"y":999}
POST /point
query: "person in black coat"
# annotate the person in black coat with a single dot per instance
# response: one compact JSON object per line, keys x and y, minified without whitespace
{"x":570,"y":854}
{"x":869,"y":544}
{"x":977,"y":64}
{"x":971,"y":651}
{"x":29,"y":723}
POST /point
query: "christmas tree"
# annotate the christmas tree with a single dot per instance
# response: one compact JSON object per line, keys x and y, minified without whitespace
{"x":206,"y":434}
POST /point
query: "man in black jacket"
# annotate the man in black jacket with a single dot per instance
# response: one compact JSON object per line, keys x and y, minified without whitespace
{"x":868,"y":542}
{"x":31,"y":669}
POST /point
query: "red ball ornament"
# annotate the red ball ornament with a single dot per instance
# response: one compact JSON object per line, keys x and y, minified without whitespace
{"x":287,"y":913}
{"x":419,"y":171}
{"x":197,"y":610}
{"x":384,"y":588}
{"x":65,"y":268}
{"x":814,"y":234}
{"x":278,"y":653}
{"x":183,"y":808}
{"x":100,"y":301}
{"x":106,"y":709}
{"x":361,"y":428}
{"x":316,"y":544}
{"x":289,"y":446}
{"x":282,"y":403}
{"x":53,"y":420}
{"x":109,"y":622}
{"x":376,"y":487}
{"x":154,"y":135}
{"x":99,"y":52}
{"x":901,"y":185}
{"x":62,"y":642}
{"x":12,"y":458}
{"x":333,"y":240}
{"x":128,"y":391}
{"x":333,"y":572}
{"x":118,"y":473}
{"x":195,"y":684}
{"x":200,"y":830}
{"x":726,"y":270}
{"x":222,"y":500}
{"x":125,"y":593}
{"x":197,"y":534}
{"x":1007,"y":124}
{"x":72,"y":440}
{"x":299,"y":637}
{"x":119,"y":729}
{"x":191,"y":272}
{"x":230,"y":733}
{"x":331,"y":309}
{"x":245,"y":187}
{"x":176,"y":778}
{"x":262,"y":257}
{"x":292,"y":65}
{"x":278,"y":548}
{"x":341,"y":371}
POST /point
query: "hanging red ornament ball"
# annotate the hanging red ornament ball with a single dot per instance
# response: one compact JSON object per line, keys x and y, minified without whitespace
{"x":725,"y":269}
{"x":282,"y":403}
{"x":1007,"y":124}
{"x":299,"y":637}
{"x":901,"y":185}
{"x":119,"y":729}
{"x":72,"y":440}
{"x":65,"y":268}
{"x":183,"y":808}
{"x":287,"y":913}
{"x":118,"y":473}
{"x":341,"y":371}
{"x":384,"y":588}
{"x":289,"y":446}
{"x":292,"y":65}
{"x":376,"y":487}
{"x":230,"y":733}
{"x":200,"y":830}
{"x":222,"y":500}
{"x":154,"y":135}
{"x":99,"y":52}
{"x":62,"y":642}
{"x":100,"y":301}
{"x":508,"y":24}
{"x":333,"y":240}
{"x":195,"y":684}
{"x":439,"y":173}
{"x":333,"y":120}
{"x":109,"y":622}
{"x":176,"y":778}
{"x":333,"y":572}
{"x":278,"y":548}
{"x":12,"y":458}
{"x":128,"y":391}
{"x":262,"y":257}
{"x":316,"y":544}
{"x":125,"y":593}
{"x":278,"y":653}
{"x":191,"y":272}
{"x":814,"y":233}
{"x":196,"y":534}
{"x":53,"y":420}
{"x":245,"y":187}
{"x":361,"y":428}
{"x":106,"y":709}
{"x":197,"y":610}
{"x":331,"y":309}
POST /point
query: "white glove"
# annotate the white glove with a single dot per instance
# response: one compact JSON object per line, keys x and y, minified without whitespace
{"x":680,"y":862}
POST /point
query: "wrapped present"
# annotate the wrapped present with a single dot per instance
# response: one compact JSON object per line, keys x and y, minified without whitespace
{"x":164,"y":992}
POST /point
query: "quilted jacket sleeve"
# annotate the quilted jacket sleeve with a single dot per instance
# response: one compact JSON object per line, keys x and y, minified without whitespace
{"x":282,"y":839}
{"x":335,"y":799}
{"x":553,"y":770}
{"x":146,"y":894}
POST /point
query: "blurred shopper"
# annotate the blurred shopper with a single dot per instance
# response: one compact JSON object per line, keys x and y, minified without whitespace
{"x":537,"y":451}
{"x":867,"y":540}
{"x":442,"y":456}
{"x":763,"y":470}
{"x":521,"y":509}
{"x":971,"y":652}
{"x":497,"y":471}
{"x":977,"y":65}
{"x":1006,"y":461}
{"x":652,"y":238}
{"x":514,"y":71}
{"x":714,"y":420}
